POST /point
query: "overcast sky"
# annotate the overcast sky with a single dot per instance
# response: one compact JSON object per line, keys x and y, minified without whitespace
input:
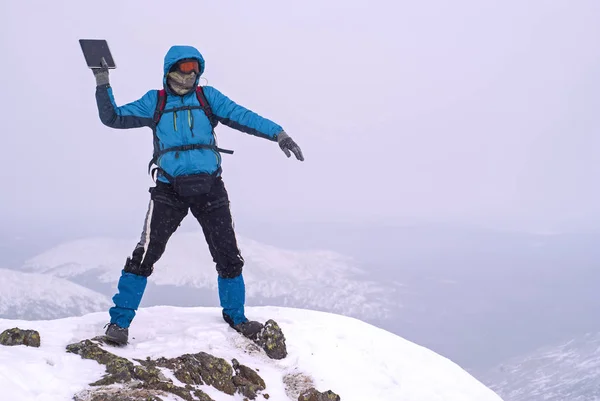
{"x":484,"y":112}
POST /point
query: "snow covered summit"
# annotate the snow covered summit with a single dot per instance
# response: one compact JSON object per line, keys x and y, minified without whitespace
{"x":330,"y":352}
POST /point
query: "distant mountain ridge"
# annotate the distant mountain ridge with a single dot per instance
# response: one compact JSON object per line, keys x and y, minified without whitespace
{"x":38,"y":296}
{"x":318,"y":279}
{"x":566,"y":372}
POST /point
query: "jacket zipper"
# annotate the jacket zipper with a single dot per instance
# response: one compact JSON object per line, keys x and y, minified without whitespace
{"x":191,"y":121}
{"x":188,"y":159}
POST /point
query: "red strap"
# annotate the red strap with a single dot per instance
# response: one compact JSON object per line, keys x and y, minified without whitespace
{"x":160,"y":105}
{"x":162,"y":97}
{"x":200,"y":96}
{"x":205,"y":105}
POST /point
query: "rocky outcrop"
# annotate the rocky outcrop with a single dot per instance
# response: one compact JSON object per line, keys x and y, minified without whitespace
{"x":118,"y":395}
{"x":272,"y":340}
{"x":145,"y":379}
{"x":247,"y":380}
{"x":314,"y":395}
{"x":118,"y":370}
{"x":16,"y":336}
{"x":198,"y":369}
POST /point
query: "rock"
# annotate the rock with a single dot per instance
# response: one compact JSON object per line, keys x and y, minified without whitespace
{"x":149,"y":374}
{"x":185,"y":368}
{"x":272,"y":340}
{"x":216,"y":372}
{"x":314,"y":395}
{"x":118,"y":370}
{"x":16,"y":336}
{"x":152,"y":378}
{"x":120,"y":395}
{"x":201,"y":368}
{"x":202,"y":396}
{"x":247,"y":381}
{"x":169,"y":387}
{"x":144,"y":380}
{"x":142,"y":383}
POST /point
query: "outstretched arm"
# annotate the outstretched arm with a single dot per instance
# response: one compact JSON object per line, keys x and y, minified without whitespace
{"x":132,"y":115}
{"x":238,"y":117}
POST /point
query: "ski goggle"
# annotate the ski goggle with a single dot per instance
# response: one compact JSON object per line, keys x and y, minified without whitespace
{"x":188,"y":66}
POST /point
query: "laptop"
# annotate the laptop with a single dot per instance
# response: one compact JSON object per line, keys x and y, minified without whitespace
{"x":94,"y":50}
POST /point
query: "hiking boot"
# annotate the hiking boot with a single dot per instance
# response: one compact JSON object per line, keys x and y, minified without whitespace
{"x":116,"y":334}
{"x":249,"y":329}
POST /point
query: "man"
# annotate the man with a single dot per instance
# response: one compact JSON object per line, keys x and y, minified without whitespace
{"x":188,"y":178}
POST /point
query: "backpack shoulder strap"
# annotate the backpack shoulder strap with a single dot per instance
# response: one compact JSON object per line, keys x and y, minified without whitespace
{"x":158,"y":112}
{"x":160,"y":105}
{"x":206,"y":106}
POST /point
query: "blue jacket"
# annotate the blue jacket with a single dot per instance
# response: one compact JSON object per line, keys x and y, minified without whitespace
{"x":183,"y":127}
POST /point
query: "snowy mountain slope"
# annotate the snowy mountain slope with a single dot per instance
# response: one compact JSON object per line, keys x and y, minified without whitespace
{"x":569,"y":371}
{"x":310,"y":279}
{"x":38,"y":296}
{"x":356,"y":360}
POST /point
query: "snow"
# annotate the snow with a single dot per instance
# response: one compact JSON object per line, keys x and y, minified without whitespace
{"x":354,"y":359}
{"x":567,"y":371}
{"x":315,"y":279}
{"x":37,"y":296}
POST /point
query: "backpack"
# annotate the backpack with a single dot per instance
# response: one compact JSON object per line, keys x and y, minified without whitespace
{"x":160,"y":110}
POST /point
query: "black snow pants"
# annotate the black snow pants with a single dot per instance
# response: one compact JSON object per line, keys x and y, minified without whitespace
{"x":166,"y":211}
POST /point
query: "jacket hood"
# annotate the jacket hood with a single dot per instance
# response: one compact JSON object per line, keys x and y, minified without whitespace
{"x":177,"y":53}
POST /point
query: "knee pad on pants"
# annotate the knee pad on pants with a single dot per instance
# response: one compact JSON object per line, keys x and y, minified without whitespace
{"x":138,"y":269}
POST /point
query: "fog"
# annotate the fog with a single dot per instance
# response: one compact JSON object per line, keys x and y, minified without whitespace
{"x":479,"y":112}
{"x":445,"y":142}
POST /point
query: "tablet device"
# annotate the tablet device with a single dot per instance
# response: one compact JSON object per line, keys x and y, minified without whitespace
{"x":94,"y":50}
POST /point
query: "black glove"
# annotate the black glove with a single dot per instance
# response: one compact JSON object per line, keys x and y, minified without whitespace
{"x":286,"y":144}
{"x":101,"y":74}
